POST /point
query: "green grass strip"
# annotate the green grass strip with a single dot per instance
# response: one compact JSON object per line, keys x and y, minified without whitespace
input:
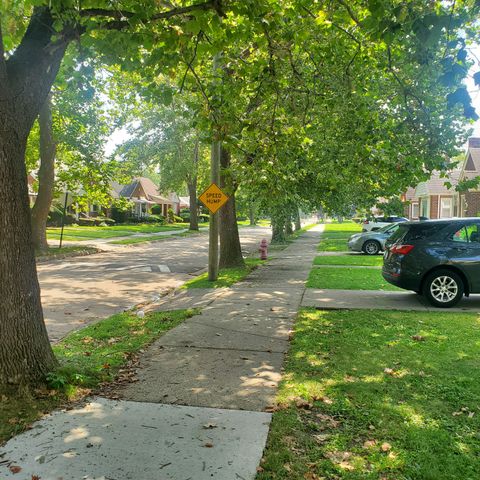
{"x":388,"y":395}
{"x":359,"y":260}
{"x":226,"y":276}
{"x":86,"y":358}
{"x":344,"y":278}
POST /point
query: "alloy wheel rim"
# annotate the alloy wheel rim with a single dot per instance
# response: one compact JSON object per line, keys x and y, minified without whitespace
{"x":371,"y":248}
{"x":444,"y":289}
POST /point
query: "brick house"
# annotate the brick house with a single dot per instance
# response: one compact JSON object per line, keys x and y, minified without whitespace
{"x":469,"y":200}
{"x":438,"y":197}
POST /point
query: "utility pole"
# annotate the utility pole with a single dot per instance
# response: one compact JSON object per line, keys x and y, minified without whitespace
{"x":214,"y":217}
{"x":215,"y":177}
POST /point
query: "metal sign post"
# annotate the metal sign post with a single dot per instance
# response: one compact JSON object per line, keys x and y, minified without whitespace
{"x":63,"y":219}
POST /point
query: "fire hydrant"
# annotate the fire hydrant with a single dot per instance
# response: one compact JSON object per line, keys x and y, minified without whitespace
{"x":263,"y":249}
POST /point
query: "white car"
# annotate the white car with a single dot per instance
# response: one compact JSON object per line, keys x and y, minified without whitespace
{"x":379,"y":222}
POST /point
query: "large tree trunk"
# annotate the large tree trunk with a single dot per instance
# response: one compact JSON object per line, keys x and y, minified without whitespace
{"x":25,"y":352}
{"x":251,"y":214}
{"x":25,"y":81}
{"x":230,"y":247}
{"x":288,"y":225}
{"x":298,"y":222}
{"x":278,"y":230}
{"x":46,"y":178}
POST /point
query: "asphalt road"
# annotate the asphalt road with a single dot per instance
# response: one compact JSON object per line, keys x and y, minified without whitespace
{"x":78,"y":290}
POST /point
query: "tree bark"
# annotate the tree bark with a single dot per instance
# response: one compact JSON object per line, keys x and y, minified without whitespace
{"x":288,"y":225}
{"x":25,"y":352}
{"x":46,"y":178}
{"x":298,"y":222}
{"x":251,"y":214}
{"x":26,"y":78}
{"x":230,"y":247}
{"x":192,"y":192}
{"x":278,"y":229}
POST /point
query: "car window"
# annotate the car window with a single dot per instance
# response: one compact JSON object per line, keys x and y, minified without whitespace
{"x":466,"y":234}
{"x":401,"y":231}
{"x":422,"y":231}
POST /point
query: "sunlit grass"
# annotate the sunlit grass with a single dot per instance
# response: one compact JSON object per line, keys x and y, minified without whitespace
{"x":378,"y":395}
{"x":345,"y":278}
{"x":355,"y":259}
{"x":86,"y":358}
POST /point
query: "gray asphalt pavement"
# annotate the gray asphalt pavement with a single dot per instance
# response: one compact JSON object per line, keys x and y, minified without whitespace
{"x":78,"y":290}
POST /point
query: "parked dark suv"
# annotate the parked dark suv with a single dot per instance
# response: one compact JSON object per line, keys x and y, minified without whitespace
{"x":436,"y":258}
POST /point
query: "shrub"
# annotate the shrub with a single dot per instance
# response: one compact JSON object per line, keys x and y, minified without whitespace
{"x":95,"y":221}
{"x":178,"y":219}
{"x":55,"y":217}
{"x":170,"y":215}
{"x":242,"y":218}
{"x":157,"y":210}
{"x":203,"y":218}
{"x":156,"y":219}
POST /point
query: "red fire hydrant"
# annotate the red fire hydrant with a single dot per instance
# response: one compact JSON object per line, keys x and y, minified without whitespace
{"x":263,"y":249}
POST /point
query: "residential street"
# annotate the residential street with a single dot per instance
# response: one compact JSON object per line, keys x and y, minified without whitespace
{"x":78,"y":290}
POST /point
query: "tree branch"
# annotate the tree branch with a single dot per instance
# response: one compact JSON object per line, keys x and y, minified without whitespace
{"x":352,"y":14}
{"x":121,"y":16}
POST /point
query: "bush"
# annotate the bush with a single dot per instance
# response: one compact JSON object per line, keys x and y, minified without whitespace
{"x":203,"y":218}
{"x":157,"y":210}
{"x":178,"y":219}
{"x":170,"y":215}
{"x":242,"y":218}
{"x":95,"y":221}
{"x":55,"y":218}
{"x":156,"y":219}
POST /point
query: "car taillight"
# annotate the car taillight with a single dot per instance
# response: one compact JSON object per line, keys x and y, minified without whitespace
{"x":401,"y":249}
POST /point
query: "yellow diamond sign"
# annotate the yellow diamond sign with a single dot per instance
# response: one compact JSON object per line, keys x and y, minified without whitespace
{"x":213,"y":198}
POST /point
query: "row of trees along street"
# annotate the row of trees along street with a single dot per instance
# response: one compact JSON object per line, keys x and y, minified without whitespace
{"x":310,"y":104}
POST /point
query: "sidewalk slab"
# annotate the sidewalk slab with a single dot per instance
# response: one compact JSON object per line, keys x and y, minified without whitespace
{"x":206,"y":377}
{"x":379,"y":300}
{"x":120,"y":440}
{"x":209,"y":335}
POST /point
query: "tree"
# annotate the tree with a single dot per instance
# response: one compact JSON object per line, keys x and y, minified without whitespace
{"x":29,"y":63}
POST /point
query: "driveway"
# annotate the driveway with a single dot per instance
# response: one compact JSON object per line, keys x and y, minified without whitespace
{"x":79,"y":290}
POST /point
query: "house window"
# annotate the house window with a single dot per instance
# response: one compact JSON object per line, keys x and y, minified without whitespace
{"x":415,"y":210}
{"x":424,"y":208}
{"x":446,"y":208}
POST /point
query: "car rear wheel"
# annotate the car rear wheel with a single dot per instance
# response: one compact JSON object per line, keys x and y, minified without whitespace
{"x":443,"y":288}
{"x":371,"y":247}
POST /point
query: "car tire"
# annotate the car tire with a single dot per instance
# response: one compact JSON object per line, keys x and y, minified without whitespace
{"x":371,"y":247}
{"x":443,"y":288}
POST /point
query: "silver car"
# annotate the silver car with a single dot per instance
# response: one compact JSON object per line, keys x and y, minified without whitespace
{"x":371,"y":243}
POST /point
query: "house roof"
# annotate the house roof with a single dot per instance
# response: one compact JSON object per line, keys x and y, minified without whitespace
{"x":146,"y":184}
{"x":436,"y":184}
{"x":472,"y":163}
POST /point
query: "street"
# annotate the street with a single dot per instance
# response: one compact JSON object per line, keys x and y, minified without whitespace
{"x":78,"y":290}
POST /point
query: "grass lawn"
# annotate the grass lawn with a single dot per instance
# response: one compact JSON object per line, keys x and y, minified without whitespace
{"x":226,"y":276}
{"x":153,"y":238}
{"x":365,"y":260}
{"x":335,"y":236}
{"x":378,"y":395}
{"x":86,"y":358}
{"x":344,"y":278}
{"x":90,"y":233}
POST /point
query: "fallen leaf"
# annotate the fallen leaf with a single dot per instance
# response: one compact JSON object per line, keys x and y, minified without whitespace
{"x":15,"y":469}
{"x":260,"y":469}
{"x":35,"y":477}
{"x":418,"y":338}
{"x":389,"y":371}
{"x":385,"y":447}
{"x":471,"y":414}
{"x":301,"y":403}
{"x":208,"y":445}
{"x":208,"y":426}
{"x":106,"y":366}
{"x":369,"y":443}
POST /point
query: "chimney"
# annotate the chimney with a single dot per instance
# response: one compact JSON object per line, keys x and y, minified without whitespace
{"x":474,"y":142}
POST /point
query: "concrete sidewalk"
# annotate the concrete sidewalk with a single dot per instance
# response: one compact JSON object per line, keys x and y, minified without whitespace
{"x":197,"y":411}
{"x":379,"y":300}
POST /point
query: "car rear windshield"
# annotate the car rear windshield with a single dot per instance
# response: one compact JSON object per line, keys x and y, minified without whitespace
{"x":416,"y":232}
{"x":424,"y":231}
